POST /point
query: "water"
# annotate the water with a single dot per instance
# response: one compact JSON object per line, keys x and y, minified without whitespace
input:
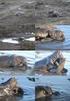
{"x":42,"y":54}
{"x":15,"y":41}
{"x":57,"y":45}
{"x":10,"y":40}
{"x":31,"y":39}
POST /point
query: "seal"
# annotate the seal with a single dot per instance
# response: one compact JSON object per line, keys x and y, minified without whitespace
{"x":13,"y":61}
{"x":52,"y":64}
{"x":44,"y":93}
{"x":10,"y":88}
{"x":41,"y":91}
{"x":49,"y":34}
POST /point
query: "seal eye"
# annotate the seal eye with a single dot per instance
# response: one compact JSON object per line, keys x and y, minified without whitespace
{"x":44,"y":91}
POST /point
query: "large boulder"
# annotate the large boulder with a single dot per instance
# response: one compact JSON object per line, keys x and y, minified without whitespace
{"x":12,"y":61}
{"x":10,"y":87}
{"x":51,"y":64}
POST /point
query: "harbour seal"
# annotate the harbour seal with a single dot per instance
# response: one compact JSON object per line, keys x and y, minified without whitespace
{"x":11,"y":61}
{"x":51,"y":64}
{"x":10,"y":88}
{"x":41,"y":91}
{"x":44,"y":93}
{"x":49,"y":35}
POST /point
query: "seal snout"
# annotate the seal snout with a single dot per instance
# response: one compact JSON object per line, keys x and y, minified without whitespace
{"x":18,"y":91}
{"x":41,"y":91}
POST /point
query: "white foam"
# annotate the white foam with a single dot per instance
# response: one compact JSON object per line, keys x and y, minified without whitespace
{"x":31,"y":39}
{"x":10,"y":40}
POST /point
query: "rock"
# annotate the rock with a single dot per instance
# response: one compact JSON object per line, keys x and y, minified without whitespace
{"x":7,"y":61}
{"x":42,"y":91}
{"x":29,"y":28}
{"x":31,"y":79}
{"x":2,"y":3}
{"x":39,"y":4}
{"x":54,"y":14}
{"x":10,"y":87}
{"x":27,"y":45}
{"x":53,"y":63}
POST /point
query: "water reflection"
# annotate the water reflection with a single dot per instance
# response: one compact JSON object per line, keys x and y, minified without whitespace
{"x":43,"y":99}
{"x":10,"y":98}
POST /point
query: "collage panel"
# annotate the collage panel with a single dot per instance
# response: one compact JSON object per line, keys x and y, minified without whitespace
{"x":52,"y":62}
{"x":52,"y":12}
{"x":16,"y":88}
{"x":52,"y":88}
{"x":17,"y":62}
{"x":17,"y":81}
{"x":17,"y":26}
{"x":53,"y":37}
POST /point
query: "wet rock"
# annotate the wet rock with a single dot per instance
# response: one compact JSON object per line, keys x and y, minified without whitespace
{"x":54,"y":14}
{"x":31,"y":79}
{"x":10,"y":87}
{"x":39,"y":4}
{"x":27,"y":45}
{"x":2,"y":3}
{"x":51,"y":64}
{"x":11,"y":61}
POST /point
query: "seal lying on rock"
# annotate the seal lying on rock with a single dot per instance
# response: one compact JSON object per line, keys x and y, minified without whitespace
{"x":53,"y":34}
{"x":44,"y":93}
{"x":12,"y":61}
{"x":56,"y":35}
{"x":51,"y":64}
{"x":10,"y":87}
